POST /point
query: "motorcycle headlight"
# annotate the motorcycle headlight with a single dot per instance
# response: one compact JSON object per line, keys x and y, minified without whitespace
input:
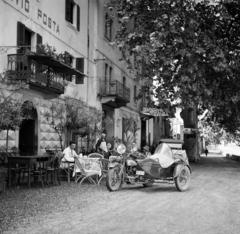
{"x":121,"y":149}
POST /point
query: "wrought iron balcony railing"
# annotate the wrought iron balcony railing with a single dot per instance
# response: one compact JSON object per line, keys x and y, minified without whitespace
{"x":116,"y":89}
{"x":21,"y":67}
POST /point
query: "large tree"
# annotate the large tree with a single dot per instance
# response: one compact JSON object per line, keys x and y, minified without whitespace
{"x":190,"y":47}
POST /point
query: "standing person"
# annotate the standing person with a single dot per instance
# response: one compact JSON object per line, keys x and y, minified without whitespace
{"x":206,"y":152}
{"x":101,"y":146}
{"x":69,"y":153}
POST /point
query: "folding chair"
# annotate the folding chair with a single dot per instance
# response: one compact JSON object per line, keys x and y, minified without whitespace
{"x":104,"y":168}
{"x":84,"y":174}
{"x":95,"y":155}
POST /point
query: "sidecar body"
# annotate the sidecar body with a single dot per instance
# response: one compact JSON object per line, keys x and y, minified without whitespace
{"x":164,"y":162}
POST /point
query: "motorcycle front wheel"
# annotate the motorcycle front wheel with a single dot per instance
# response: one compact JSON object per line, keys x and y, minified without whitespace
{"x":114,"y":179}
{"x":182,"y":181}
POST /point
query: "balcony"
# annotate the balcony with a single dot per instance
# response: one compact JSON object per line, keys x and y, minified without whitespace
{"x":41,"y":72}
{"x":114,"y":94}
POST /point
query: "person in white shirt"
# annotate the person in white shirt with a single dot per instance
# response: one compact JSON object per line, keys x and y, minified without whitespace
{"x":69,"y":153}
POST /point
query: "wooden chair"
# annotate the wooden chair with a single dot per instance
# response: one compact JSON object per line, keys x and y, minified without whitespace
{"x":39,"y":171}
{"x":53,"y":170}
{"x":66,"y":170}
{"x":84,"y":174}
{"x":16,"y":170}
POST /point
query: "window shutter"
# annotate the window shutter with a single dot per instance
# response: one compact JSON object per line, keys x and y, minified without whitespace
{"x":39,"y":40}
{"x":78,"y":18}
{"x":80,"y":67}
{"x":68,"y":59}
{"x":20,"y":36}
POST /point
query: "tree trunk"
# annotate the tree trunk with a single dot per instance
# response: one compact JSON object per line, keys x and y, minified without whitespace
{"x":192,"y":139}
{"x":7,"y":141}
{"x":60,"y":140}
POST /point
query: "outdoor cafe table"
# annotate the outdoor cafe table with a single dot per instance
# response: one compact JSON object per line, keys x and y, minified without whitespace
{"x":27,"y":161}
{"x":88,"y":165}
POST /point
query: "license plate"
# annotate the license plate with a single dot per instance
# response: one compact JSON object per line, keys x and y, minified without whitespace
{"x":140,"y":173}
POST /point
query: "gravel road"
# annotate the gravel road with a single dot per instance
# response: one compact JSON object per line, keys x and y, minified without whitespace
{"x":210,"y":206}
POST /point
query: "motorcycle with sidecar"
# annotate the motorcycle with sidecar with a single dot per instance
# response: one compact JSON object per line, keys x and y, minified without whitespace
{"x":166,"y":165}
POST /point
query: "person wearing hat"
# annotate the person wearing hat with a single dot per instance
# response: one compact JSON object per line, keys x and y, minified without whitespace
{"x":146,"y":151}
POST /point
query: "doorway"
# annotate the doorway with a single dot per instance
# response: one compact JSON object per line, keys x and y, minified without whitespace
{"x":28,"y":137}
{"x":143,"y":133}
{"x":108,"y":123}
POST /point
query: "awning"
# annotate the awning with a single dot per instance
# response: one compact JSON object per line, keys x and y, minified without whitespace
{"x":57,"y":65}
{"x":145,"y":117}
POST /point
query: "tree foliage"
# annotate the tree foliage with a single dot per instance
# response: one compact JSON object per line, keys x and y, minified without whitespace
{"x":10,"y":110}
{"x":130,"y":129}
{"x":73,"y":115}
{"x":191,"y":48}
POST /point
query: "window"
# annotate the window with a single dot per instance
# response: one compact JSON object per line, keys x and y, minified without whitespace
{"x":69,"y":10}
{"x":24,"y":37}
{"x":106,"y":73}
{"x":124,"y":81}
{"x":110,"y":74}
{"x":108,"y":27}
{"x":72,"y":13}
{"x":78,"y":18}
{"x":135,"y":93}
{"x":68,"y":59}
{"x":80,"y":67}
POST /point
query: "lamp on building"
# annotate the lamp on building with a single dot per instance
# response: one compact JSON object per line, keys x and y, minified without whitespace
{"x":99,"y":59}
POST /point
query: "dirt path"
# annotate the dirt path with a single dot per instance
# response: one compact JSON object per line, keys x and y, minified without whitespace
{"x":212,"y":205}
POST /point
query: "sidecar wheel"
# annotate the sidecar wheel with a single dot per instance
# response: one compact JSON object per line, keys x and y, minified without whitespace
{"x":114,"y":179}
{"x":182,"y":181}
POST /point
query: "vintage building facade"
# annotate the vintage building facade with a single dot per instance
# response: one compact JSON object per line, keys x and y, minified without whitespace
{"x":118,"y":86}
{"x":85,"y":67}
{"x":25,"y":25}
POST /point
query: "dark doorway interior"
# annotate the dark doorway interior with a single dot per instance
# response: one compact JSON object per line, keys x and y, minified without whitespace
{"x":26,"y":137}
{"x":108,"y":123}
{"x":143,"y":133}
{"x":28,"y":130}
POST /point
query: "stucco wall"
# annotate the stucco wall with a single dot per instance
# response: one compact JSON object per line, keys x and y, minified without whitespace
{"x":67,"y":38}
{"x":47,"y":137}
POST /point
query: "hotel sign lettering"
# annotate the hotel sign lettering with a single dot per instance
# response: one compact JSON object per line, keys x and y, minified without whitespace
{"x":48,"y":21}
{"x":43,"y":17}
{"x":23,"y":5}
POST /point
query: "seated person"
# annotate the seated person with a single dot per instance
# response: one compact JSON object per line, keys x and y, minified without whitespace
{"x":146,"y":151}
{"x":69,"y":153}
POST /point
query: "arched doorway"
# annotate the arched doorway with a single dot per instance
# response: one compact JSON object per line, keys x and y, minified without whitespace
{"x":28,"y":132}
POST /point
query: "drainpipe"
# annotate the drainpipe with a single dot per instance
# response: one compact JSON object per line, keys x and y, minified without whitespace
{"x":88,"y":48}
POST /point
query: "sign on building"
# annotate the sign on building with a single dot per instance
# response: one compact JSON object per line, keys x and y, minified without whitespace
{"x":153,"y":111}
